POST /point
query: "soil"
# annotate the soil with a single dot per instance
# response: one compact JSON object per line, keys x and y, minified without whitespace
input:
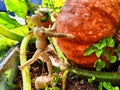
{"x":77,"y":85}
{"x":71,"y":84}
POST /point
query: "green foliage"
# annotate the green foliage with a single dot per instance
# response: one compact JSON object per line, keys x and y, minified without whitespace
{"x":91,"y":80}
{"x":98,"y":52}
{"x":99,"y":64}
{"x":53,"y":4}
{"x":100,"y":49}
{"x":56,"y":80}
{"x":11,"y":24}
{"x":53,"y":88}
{"x":107,"y":86}
{"x":46,"y":14}
{"x":21,"y":30}
{"x":101,"y":44}
{"x":9,"y":27}
{"x":56,"y":70}
{"x":97,"y":47}
{"x":110,"y":42}
{"x":89,"y":51}
{"x":8,"y":22}
{"x":112,"y":59}
{"x":56,"y":88}
{"x":117,"y":50}
{"x":19,"y":7}
{"x":5,"y":45}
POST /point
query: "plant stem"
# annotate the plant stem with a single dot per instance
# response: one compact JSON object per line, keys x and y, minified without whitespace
{"x":113,"y":77}
{"x":25,"y":72}
{"x":57,"y":50}
{"x":64,"y":79}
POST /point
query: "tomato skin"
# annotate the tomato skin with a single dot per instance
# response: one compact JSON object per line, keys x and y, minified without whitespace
{"x":89,"y":21}
{"x":75,"y":52}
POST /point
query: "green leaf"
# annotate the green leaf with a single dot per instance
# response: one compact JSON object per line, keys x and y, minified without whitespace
{"x":101,"y":44}
{"x":89,"y":51}
{"x":5,"y":45}
{"x":117,"y":50}
{"x":5,"y":32}
{"x":48,"y":3}
{"x":99,"y":64}
{"x":21,"y":30}
{"x":106,"y":53}
{"x":107,"y":85}
{"x":110,"y":42}
{"x":91,"y":80}
{"x":113,"y":59}
{"x":56,"y":80}
{"x":59,"y":3}
{"x":19,"y":7}
{"x":56,"y":70}
{"x":7,"y":22}
{"x":56,"y":88}
{"x":53,"y":4}
{"x":100,"y":86}
{"x":98,"y":52}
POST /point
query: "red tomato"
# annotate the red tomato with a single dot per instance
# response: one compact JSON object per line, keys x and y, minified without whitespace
{"x":89,"y":21}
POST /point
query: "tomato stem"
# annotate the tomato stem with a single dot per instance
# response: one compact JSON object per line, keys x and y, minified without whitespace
{"x":113,"y":77}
